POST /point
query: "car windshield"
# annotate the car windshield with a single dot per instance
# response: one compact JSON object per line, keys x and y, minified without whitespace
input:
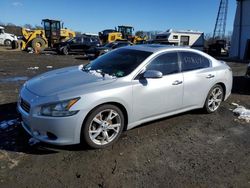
{"x":118,"y":63}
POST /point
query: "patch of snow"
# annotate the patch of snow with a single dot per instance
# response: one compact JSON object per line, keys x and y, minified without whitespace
{"x":49,"y":67}
{"x":33,"y":68}
{"x":101,"y":75}
{"x":242,"y":112}
{"x":80,"y":67}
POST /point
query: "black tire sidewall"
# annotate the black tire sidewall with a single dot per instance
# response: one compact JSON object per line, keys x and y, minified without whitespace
{"x":206,"y":108}
{"x":85,"y":134}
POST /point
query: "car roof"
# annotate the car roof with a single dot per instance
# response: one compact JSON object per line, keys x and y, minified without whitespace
{"x":154,"y":47}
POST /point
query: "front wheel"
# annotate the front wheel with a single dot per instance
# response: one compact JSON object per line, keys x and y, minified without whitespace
{"x":103,"y":126}
{"x":7,"y":42}
{"x":214,"y":99}
{"x":65,"y":50}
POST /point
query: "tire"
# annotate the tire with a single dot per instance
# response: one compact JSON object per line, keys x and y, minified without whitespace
{"x":14,"y":44}
{"x":38,"y":43}
{"x":7,"y":42}
{"x":214,"y":98}
{"x":103,"y":126}
{"x":65,"y":51}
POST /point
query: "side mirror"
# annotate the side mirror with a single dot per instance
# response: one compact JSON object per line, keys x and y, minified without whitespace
{"x":152,"y":74}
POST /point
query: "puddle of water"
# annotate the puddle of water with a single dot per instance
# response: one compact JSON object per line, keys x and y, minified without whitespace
{"x":14,"y":79}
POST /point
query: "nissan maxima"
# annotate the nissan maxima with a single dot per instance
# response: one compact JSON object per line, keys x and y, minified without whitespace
{"x":96,"y":102}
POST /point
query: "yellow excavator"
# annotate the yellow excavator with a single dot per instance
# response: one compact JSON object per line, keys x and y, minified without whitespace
{"x":127,"y":31}
{"x":40,"y":39}
{"x":122,"y":33}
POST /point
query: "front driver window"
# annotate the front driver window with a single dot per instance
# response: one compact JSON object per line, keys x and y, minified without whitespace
{"x":166,"y":63}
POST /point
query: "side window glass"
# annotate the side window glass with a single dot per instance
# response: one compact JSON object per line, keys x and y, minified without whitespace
{"x":192,"y":61}
{"x":78,"y":40}
{"x":166,"y":63}
{"x":87,"y":39}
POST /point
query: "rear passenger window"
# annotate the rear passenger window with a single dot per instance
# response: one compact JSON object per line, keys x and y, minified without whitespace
{"x":166,"y":63}
{"x":192,"y":61}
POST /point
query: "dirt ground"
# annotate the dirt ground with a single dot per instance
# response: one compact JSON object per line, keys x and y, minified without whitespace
{"x":187,"y":150}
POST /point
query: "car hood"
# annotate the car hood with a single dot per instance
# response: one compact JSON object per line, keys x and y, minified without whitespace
{"x":11,"y":36}
{"x":65,"y":80}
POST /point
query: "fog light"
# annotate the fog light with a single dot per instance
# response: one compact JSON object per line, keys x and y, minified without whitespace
{"x":51,"y":136}
{"x":36,"y":133}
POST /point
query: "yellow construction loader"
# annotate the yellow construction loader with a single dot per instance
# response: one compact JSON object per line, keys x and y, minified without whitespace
{"x":122,"y":33}
{"x":39,"y":39}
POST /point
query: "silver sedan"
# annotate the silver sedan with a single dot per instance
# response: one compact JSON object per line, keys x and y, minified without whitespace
{"x":120,"y":90}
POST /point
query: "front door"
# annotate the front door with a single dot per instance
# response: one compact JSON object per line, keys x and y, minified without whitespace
{"x":153,"y":97}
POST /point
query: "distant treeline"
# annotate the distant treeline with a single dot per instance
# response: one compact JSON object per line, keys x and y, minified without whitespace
{"x":16,"y":30}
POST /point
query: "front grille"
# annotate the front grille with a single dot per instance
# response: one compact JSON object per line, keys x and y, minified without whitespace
{"x":25,"y":106}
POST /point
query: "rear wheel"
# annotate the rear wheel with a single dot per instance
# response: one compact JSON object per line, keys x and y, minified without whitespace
{"x":103,"y":126}
{"x":214,"y":99}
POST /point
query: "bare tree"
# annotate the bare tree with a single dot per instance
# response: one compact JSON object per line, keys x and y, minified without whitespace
{"x":28,"y":26}
{"x":38,"y":27}
{"x":10,"y":24}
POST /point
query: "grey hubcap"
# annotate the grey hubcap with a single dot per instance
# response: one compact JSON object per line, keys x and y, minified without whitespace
{"x":8,"y":42}
{"x":105,"y":127}
{"x":215,"y":99}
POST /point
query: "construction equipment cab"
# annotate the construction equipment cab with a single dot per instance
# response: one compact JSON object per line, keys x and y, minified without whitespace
{"x":127,"y":34}
{"x":54,"y":31}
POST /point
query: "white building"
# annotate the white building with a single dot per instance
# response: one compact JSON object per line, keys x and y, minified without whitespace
{"x":240,"y":46}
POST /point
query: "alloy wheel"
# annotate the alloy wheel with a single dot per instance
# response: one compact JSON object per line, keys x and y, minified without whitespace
{"x":215,"y":99}
{"x":105,"y":127}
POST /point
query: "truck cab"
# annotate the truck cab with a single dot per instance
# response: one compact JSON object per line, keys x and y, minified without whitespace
{"x":6,"y":38}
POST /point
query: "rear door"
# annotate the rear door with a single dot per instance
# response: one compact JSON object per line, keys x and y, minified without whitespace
{"x":152,"y":97}
{"x":76,"y":44}
{"x":198,"y":75}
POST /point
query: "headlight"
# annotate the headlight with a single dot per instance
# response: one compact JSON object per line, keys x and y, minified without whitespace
{"x":59,"y":109}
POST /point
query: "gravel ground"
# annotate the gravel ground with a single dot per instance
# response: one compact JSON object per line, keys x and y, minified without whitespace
{"x":187,"y":150}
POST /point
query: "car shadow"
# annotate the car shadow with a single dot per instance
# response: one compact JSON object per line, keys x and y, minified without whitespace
{"x":14,"y":138}
{"x":241,"y":85}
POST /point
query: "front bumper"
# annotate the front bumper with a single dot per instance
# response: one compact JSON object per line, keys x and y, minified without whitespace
{"x":52,"y":130}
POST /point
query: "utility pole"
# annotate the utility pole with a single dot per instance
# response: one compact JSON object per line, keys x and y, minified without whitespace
{"x":220,"y":25}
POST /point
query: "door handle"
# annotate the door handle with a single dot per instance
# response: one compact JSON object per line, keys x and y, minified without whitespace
{"x":210,"y":76}
{"x":177,"y":82}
